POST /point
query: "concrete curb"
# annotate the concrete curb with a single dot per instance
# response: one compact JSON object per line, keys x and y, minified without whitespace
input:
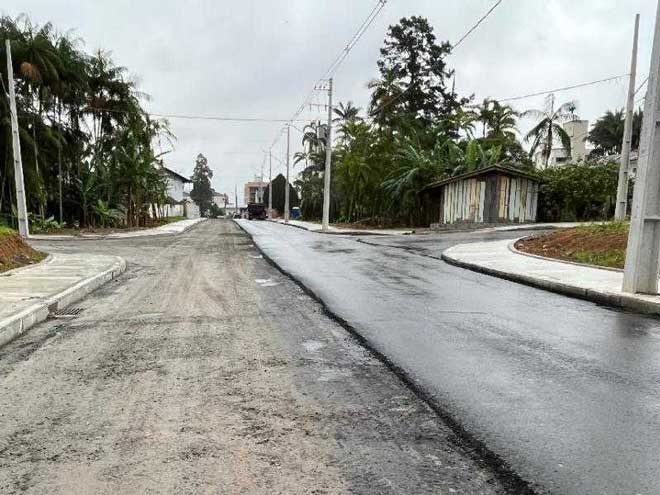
{"x":622,"y":301}
{"x":110,"y":237}
{"x":17,"y":324}
{"x":343,"y":232}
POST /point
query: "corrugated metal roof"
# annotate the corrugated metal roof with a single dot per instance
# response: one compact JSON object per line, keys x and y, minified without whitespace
{"x":482,"y":171}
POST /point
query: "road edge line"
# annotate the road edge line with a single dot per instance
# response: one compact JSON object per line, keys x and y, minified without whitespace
{"x":475,"y":448}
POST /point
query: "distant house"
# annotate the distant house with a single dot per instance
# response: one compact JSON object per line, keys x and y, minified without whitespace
{"x":190,"y":207}
{"x":175,"y":206}
{"x":495,"y":194}
{"x":221,"y":200}
{"x":254,"y":192}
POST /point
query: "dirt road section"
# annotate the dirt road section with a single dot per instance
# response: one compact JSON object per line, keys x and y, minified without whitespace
{"x":204,"y":370}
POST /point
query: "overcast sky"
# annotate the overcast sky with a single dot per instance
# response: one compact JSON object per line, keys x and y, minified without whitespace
{"x":259,"y":58}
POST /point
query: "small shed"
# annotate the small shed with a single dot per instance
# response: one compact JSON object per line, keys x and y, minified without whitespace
{"x":495,"y":194}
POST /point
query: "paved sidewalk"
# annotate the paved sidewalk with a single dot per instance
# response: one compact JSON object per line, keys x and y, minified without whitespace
{"x":169,"y":229}
{"x":316,"y":227}
{"x":501,"y":259}
{"x":28,"y":295}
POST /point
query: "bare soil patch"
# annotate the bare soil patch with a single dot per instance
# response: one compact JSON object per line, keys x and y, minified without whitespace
{"x":15,"y":253}
{"x":598,"y":244}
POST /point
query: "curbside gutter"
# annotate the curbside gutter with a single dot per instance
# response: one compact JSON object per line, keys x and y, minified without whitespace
{"x":617,"y":300}
{"x":17,"y":324}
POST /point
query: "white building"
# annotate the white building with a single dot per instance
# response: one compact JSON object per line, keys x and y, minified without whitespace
{"x":190,"y":207}
{"x":577,"y":131}
{"x":175,"y":204}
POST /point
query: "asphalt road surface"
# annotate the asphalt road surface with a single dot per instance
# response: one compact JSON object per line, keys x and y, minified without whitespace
{"x":566,"y":392}
{"x":204,"y":370}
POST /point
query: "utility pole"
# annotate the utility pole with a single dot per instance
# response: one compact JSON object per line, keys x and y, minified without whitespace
{"x":270,"y":185}
{"x":328,"y":163}
{"x":236,"y":198}
{"x":643,"y":252}
{"x":21,"y":207}
{"x":286,"y":186}
{"x":622,"y":189}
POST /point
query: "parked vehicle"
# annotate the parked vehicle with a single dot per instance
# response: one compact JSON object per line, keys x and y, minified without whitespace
{"x":256,"y":211}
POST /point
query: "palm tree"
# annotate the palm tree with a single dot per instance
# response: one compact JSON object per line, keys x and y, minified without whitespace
{"x":549,"y":130}
{"x":346,"y":113}
{"x":484,"y":115}
{"x":502,"y":123}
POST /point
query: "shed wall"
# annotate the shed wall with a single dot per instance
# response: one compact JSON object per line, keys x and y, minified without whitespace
{"x":490,"y":199}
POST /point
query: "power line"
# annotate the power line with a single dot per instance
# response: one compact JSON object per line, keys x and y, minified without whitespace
{"x":473,"y":28}
{"x":356,"y":37}
{"x":565,"y":88}
{"x":339,"y":59}
{"x":642,"y":84}
{"x":454,"y":46}
{"x":198,"y":117}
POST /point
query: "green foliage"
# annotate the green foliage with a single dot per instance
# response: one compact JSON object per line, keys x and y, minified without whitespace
{"x":279,"y":185}
{"x":215,"y":211}
{"x":81,"y":127}
{"x":578,"y":192}
{"x":202,"y":192}
{"x":43,"y":225}
{"x":607,"y":132}
{"x":108,"y":217}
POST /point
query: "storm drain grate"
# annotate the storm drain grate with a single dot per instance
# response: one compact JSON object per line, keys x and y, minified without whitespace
{"x":66,"y":313}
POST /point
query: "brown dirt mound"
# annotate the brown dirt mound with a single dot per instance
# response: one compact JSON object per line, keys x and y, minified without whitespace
{"x":15,"y":253}
{"x":595,"y":245}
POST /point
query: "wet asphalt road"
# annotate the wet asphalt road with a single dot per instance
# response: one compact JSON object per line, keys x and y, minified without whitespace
{"x":203,"y":369}
{"x":565,"y":391}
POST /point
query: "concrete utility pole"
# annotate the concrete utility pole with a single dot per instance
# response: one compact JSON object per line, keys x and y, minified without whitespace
{"x":21,"y":206}
{"x":235,"y":198}
{"x":286,"y":186}
{"x":328,"y":163}
{"x":270,"y":185}
{"x":622,"y":189}
{"x":643,"y":253}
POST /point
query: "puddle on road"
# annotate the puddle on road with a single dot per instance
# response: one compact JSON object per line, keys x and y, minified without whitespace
{"x":256,"y":257}
{"x":266,"y":282}
{"x":313,"y":345}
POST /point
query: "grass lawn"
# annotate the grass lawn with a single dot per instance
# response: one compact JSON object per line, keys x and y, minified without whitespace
{"x":15,"y":253}
{"x":594,"y":244}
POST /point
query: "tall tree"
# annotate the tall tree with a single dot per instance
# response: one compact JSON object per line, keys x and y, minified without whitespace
{"x":412,"y":60}
{"x":607,"y":132}
{"x":202,"y":192}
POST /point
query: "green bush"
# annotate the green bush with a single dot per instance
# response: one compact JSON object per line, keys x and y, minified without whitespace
{"x":577,"y":192}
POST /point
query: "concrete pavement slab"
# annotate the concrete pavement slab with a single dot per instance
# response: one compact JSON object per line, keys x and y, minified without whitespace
{"x":29,"y":295}
{"x":500,"y":258}
{"x":169,"y":229}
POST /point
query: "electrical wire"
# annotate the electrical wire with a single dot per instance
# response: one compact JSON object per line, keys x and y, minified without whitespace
{"x":565,"y":88}
{"x":473,"y":28}
{"x":198,"y":117}
{"x":334,"y":66}
{"x":646,"y":79}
